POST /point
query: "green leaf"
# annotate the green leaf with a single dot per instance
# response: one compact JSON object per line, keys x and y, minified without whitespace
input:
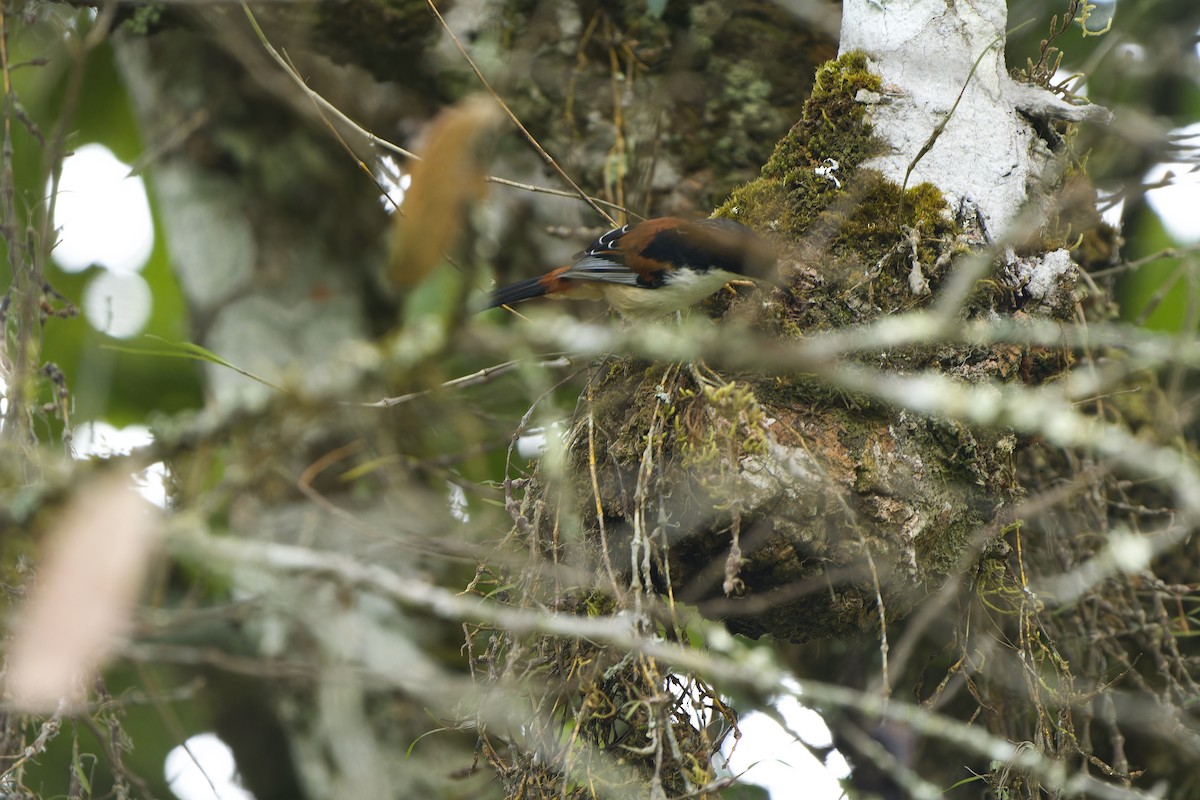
{"x":193,"y":352}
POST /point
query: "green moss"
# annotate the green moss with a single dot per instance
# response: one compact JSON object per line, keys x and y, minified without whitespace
{"x":831,"y":133}
{"x":879,"y":248}
{"x":884,"y":216}
{"x":813,"y":179}
{"x":731,"y":428}
{"x":832,"y":125}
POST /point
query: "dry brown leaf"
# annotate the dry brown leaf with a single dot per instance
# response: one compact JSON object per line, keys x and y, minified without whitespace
{"x":78,"y":610}
{"x":448,"y":178}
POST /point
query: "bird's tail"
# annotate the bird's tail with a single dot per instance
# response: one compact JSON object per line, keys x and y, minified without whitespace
{"x":515,"y":293}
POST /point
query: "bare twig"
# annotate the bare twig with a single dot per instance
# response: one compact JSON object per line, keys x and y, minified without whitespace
{"x":376,"y":141}
{"x":485,"y":375}
{"x":727,"y":660}
{"x":513,"y":117}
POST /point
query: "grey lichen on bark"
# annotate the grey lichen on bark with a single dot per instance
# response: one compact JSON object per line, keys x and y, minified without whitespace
{"x":942,"y":69}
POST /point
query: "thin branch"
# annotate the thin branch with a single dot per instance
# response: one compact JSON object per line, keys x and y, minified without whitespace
{"x":375,"y":141}
{"x":485,"y":375}
{"x":727,"y":661}
{"x":513,"y":117}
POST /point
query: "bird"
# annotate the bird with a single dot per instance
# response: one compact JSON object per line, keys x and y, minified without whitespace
{"x":652,"y":268}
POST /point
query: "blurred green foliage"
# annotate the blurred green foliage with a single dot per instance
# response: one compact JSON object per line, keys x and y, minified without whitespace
{"x":1145,"y":70}
{"x":120,"y":388}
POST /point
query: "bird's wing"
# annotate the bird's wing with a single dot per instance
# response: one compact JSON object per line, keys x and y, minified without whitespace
{"x":607,"y":243}
{"x":599,"y":268}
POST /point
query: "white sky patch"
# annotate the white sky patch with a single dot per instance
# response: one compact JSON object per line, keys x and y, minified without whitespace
{"x":458,"y":503}
{"x":152,"y":483}
{"x":204,"y":771}
{"x":1111,"y":212}
{"x":102,"y":213}
{"x":535,"y":441}
{"x":1176,"y":204}
{"x":118,"y":303}
{"x":103,"y":218}
{"x":769,"y":756}
{"x":394,"y":181}
{"x":101,"y":440}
